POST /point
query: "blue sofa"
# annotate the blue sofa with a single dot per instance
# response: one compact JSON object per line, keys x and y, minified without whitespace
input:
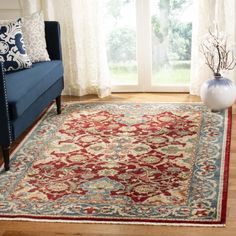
{"x":26,"y":93}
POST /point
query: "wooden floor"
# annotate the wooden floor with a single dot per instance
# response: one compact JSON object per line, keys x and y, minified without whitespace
{"x":14,"y":228}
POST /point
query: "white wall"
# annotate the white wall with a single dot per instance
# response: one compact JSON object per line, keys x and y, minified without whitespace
{"x":9,"y":9}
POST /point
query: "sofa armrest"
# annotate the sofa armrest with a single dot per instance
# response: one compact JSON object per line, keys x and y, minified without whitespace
{"x":5,"y":126}
{"x":53,"y":39}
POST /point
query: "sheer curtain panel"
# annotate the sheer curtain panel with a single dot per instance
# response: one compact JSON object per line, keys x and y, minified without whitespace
{"x":83,"y":43}
{"x":208,"y":13}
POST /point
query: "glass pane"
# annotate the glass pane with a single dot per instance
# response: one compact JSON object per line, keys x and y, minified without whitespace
{"x":120,"y":23}
{"x":171,"y":41}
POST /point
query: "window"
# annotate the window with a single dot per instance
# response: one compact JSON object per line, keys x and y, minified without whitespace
{"x":171,"y":41}
{"x":121,"y":41}
{"x":149,"y":44}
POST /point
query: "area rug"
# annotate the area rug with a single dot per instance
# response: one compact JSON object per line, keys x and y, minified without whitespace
{"x":148,"y":163}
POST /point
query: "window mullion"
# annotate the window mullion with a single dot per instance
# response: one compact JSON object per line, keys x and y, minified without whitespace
{"x":144,"y":46}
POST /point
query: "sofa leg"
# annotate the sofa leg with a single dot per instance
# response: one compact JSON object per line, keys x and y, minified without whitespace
{"x":6,"y":157}
{"x":58,"y":102}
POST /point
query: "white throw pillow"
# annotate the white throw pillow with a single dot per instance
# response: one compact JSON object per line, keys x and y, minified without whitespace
{"x":33,"y":30}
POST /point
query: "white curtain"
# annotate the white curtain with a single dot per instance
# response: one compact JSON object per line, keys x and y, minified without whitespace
{"x":83,"y":43}
{"x":207,"y":13}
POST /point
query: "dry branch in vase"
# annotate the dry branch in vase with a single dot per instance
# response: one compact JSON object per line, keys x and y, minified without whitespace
{"x":219,"y":57}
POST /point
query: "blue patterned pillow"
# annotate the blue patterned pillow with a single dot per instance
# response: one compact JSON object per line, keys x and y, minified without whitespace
{"x":12,"y":48}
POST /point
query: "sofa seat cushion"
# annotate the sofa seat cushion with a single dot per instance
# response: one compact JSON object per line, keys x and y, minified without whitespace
{"x":26,"y":86}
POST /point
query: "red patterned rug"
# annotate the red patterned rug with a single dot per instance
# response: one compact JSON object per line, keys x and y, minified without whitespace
{"x":129,"y":163}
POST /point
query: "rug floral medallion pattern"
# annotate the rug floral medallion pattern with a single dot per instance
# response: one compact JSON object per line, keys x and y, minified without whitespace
{"x":152,"y":163}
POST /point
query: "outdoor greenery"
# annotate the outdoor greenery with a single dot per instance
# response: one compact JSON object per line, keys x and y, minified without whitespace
{"x":177,"y":76}
{"x":172,"y":38}
{"x":127,"y":75}
{"x":180,"y":41}
{"x":114,"y":8}
{"x":122,"y":45}
{"x":171,"y":42}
